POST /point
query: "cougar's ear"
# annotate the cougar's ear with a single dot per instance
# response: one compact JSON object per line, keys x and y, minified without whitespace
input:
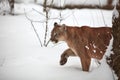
{"x":63,"y":27}
{"x":55,"y":24}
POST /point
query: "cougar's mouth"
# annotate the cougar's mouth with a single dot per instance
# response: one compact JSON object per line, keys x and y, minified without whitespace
{"x":54,"y":40}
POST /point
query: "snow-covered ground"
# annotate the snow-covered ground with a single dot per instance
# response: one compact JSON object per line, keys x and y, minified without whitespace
{"x":22,"y":58}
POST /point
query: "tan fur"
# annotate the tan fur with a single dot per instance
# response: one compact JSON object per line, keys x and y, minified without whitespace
{"x":84,"y":42}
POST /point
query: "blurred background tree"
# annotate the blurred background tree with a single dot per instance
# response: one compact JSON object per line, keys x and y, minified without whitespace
{"x":35,"y":1}
{"x":114,"y":60}
{"x":11,"y":3}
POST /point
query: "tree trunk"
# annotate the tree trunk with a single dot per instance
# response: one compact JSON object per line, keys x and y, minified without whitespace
{"x":109,"y":2}
{"x":114,"y":60}
{"x":35,"y":1}
{"x":11,"y":3}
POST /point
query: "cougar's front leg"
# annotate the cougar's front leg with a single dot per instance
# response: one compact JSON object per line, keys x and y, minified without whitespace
{"x":65,"y":55}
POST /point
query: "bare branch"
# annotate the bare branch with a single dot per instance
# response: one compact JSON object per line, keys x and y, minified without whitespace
{"x":34,"y":29}
{"x":47,"y":42}
{"x":36,"y":34}
{"x":39,"y":12}
{"x":31,"y":19}
{"x":46,"y":28}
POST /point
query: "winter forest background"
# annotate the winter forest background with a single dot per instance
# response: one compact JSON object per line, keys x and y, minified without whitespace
{"x":26,"y":53}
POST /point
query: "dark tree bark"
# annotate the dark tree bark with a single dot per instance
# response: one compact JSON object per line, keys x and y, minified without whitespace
{"x":44,"y":5}
{"x":11,"y":3}
{"x":110,"y":2}
{"x":114,"y":60}
{"x":35,"y":1}
{"x":109,"y":5}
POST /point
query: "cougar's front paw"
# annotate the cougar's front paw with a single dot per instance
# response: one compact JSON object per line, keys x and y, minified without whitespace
{"x":63,"y":61}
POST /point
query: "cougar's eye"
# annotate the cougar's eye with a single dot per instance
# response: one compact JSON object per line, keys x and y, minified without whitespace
{"x":55,"y":34}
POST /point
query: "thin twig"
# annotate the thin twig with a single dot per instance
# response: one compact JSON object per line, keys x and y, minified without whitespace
{"x":34,"y":29}
{"x":47,"y":42}
{"x":39,"y":12}
{"x":46,"y":28}
{"x":36,"y":33}
{"x":31,"y":19}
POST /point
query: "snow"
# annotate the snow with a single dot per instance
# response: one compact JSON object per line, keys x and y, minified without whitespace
{"x":86,"y":47}
{"x":94,"y":51}
{"x":115,"y":13}
{"x":76,"y":2}
{"x":109,"y":48}
{"x":115,"y":2}
{"x":22,"y":58}
{"x":4,"y":7}
{"x":94,"y":46}
{"x":88,"y":2}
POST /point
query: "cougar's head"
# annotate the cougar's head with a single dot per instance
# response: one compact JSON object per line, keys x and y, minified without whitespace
{"x":58,"y":33}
